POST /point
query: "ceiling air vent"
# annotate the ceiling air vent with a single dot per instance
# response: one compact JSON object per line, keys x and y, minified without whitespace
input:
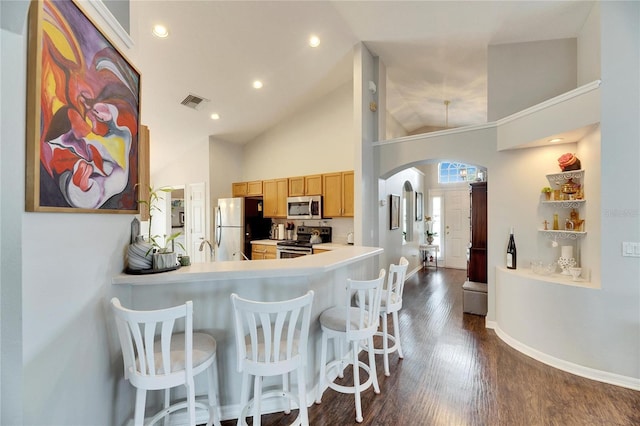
{"x":193,"y":101}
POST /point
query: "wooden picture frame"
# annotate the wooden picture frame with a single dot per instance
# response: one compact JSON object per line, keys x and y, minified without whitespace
{"x":394,"y":203}
{"x":83,"y":116}
{"x":419,"y":206}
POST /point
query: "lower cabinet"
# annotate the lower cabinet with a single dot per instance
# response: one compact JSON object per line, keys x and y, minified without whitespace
{"x":263,"y":251}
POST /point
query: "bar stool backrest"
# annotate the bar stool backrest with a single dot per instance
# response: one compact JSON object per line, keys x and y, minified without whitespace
{"x":363,"y":321}
{"x":271,"y":337}
{"x":392,"y":294}
{"x":142,"y":331}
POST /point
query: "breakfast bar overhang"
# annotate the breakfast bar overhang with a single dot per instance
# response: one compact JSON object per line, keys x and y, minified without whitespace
{"x":210,"y":285}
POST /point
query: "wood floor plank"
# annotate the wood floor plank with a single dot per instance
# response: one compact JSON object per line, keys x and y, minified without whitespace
{"x":456,"y":372}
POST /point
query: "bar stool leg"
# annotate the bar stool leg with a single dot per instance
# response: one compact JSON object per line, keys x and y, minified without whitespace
{"x":302,"y":396}
{"x":385,"y":345}
{"x":323,"y":368}
{"x":356,"y":382}
{"x":372,"y":366}
{"x":141,"y":399}
{"x":257,"y":399}
{"x":396,"y":333}
{"x":244,"y":396}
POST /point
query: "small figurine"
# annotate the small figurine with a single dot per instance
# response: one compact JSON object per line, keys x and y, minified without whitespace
{"x":545,"y":223}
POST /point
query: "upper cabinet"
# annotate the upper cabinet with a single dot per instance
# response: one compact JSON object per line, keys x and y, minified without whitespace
{"x":247,"y":189}
{"x":305,"y":185}
{"x":275,"y":192}
{"x":336,"y":188}
{"x":338,"y":194}
{"x":239,"y":189}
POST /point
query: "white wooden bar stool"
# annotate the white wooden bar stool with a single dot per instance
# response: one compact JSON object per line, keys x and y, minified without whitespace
{"x":271,"y":340}
{"x":390,"y":304}
{"x":352,"y":325}
{"x":156,"y":357}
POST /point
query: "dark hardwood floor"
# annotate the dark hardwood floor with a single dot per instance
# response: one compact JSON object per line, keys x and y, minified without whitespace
{"x":456,"y":372}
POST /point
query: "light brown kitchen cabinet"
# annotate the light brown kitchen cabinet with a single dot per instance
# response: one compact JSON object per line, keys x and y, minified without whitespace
{"x":263,"y":251}
{"x":305,"y":185}
{"x":338,"y":194}
{"x":247,"y":189}
{"x":144,"y":170}
{"x":275,"y":192}
{"x":254,"y":188}
{"x":239,"y":189}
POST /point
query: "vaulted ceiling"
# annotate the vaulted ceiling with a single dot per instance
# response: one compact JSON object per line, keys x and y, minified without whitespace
{"x":433,"y":50}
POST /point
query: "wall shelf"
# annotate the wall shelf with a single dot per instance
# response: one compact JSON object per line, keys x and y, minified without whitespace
{"x":563,"y":235}
{"x":562,"y":177}
{"x":566,"y":204}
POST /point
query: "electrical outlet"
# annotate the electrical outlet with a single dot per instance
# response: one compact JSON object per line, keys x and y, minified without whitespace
{"x":630,"y":249}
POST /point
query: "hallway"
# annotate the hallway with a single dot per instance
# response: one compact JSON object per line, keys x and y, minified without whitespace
{"x":456,"y":372}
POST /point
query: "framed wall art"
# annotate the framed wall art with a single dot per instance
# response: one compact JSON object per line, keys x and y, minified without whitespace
{"x":419,"y":206}
{"x":83,"y":112}
{"x":394,"y":203}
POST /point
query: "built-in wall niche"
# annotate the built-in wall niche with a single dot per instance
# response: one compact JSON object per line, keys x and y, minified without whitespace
{"x":563,"y":226}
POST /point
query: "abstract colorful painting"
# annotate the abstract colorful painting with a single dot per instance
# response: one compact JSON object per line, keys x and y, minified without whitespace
{"x":83,"y":112}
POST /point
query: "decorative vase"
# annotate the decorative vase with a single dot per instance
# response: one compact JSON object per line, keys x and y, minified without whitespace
{"x":429,"y":239}
{"x":164,"y":260}
{"x":140,"y":254}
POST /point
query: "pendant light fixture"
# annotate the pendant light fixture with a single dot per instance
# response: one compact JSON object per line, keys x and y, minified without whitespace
{"x":446,"y":113}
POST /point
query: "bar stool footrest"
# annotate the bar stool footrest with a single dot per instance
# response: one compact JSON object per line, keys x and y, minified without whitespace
{"x":278,"y":393}
{"x":349,"y":389}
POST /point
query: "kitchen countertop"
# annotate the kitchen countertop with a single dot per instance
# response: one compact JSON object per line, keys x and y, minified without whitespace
{"x":339,"y":256}
{"x":267,"y":242}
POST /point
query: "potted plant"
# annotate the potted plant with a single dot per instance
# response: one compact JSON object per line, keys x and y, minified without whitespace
{"x":160,"y":248}
{"x":427,"y":230}
{"x":547,"y":192}
{"x":163,"y":254}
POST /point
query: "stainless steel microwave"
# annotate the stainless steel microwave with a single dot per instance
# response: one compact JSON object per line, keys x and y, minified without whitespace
{"x":309,"y":207}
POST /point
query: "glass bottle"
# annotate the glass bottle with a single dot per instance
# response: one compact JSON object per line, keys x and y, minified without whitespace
{"x":511,"y":251}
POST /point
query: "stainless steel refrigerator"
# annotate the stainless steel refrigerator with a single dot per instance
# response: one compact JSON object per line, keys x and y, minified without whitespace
{"x":229,"y":232}
{"x":238,"y":222}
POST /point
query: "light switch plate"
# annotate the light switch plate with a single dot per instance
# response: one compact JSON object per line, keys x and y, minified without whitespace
{"x":630,"y":249}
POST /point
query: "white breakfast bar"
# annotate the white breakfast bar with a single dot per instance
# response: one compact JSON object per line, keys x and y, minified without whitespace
{"x":209,"y":286}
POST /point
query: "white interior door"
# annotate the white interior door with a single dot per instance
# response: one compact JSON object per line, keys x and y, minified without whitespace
{"x":456,"y":228}
{"x":195,"y":222}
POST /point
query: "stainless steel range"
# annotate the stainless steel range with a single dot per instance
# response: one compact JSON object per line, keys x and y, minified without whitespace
{"x":304,"y":245}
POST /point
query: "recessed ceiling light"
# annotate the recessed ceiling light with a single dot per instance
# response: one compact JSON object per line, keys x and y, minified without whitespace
{"x":556,"y":140}
{"x":215,"y":116}
{"x":160,"y":31}
{"x":257,"y":84}
{"x":314,"y":41}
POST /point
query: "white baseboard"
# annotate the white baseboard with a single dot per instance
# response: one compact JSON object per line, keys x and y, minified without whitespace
{"x":569,"y":367}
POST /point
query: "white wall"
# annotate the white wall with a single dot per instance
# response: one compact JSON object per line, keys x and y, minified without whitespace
{"x":12,"y":106}
{"x":60,"y":360}
{"x":394,"y":128}
{"x":392,"y":239}
{"x":589,"y":49}
{"x":524,"y":74}
{"x":317,"y":139}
